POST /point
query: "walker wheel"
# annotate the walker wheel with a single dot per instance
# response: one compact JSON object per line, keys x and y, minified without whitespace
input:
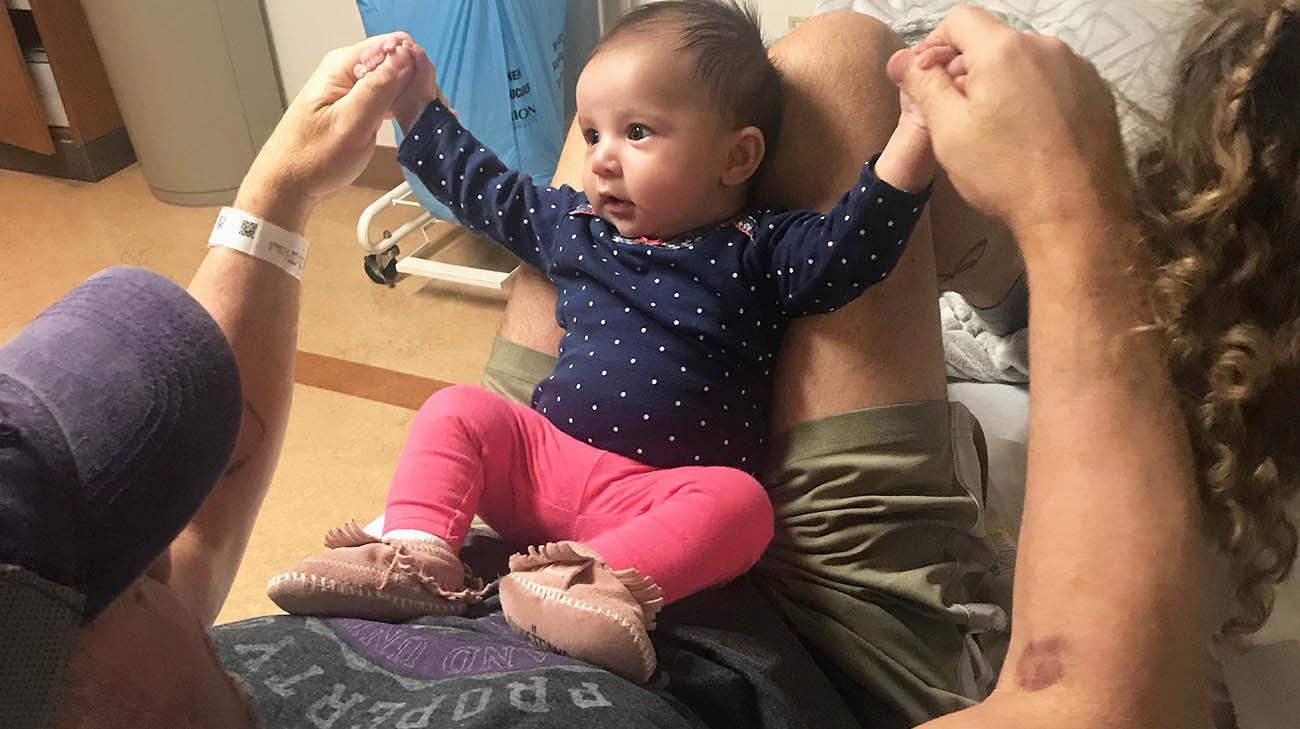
{"x":382,"y":267}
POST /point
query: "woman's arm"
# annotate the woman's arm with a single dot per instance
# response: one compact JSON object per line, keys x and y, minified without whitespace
{"x":320,"y":145}
{"x":1106,"y":632}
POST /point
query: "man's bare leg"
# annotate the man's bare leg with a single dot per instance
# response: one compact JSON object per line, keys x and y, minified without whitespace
{"x":883,"y":348}
{"x":872,"y":474}
{"x":530,"y":311}
{"x":975,"y":255}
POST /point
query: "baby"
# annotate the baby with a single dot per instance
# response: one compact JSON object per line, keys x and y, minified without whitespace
{"x":633,"y":471}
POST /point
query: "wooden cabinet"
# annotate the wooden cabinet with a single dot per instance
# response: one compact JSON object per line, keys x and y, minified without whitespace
{"x":89,"y":141}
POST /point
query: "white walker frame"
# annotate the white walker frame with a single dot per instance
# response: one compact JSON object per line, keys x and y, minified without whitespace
{"x":382,"y":264}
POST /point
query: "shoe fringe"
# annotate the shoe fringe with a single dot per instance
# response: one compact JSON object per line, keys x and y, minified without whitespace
{"x":646,"y":592}
{"x":642,"y":587}
{"x":551,"y":553}
{"x":352,"y":535}
{"x":348,"y":535}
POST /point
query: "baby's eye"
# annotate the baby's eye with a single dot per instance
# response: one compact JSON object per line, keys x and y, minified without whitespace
{"x":591,"y":135}
{"x":638,"y":131}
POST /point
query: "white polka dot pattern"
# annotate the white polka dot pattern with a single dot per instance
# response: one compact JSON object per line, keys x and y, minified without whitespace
{"x":668,"y":348}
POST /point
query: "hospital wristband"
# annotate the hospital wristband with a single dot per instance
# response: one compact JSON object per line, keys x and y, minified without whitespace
{"x":260,"y":239}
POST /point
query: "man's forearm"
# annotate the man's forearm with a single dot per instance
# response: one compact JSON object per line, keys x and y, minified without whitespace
{"x":256,"y":305}
{"x":1108,"y":579}
{"x":320,"y":145}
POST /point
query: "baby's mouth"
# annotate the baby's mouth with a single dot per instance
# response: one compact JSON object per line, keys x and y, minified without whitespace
{"x":615,"y":204}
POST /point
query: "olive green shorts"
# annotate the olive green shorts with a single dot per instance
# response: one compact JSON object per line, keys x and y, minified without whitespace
{"x":879,"y":552}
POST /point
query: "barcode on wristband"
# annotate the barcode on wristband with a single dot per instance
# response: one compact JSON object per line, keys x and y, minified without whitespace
{"x":260,"y":239}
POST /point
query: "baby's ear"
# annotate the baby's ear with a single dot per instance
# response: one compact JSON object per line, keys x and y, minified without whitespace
{"x":744,"y":154}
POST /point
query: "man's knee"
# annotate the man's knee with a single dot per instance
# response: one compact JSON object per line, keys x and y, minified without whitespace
{"x":530,"y":312}
{"x":850,"y":38}
{"x":840,"y":107}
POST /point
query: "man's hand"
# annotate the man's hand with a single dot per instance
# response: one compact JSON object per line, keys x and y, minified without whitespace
{"x":1029,"y":133}
{"x":327,"y":135}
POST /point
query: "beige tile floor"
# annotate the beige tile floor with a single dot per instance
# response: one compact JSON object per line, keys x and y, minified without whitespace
{"x":340,"y":448}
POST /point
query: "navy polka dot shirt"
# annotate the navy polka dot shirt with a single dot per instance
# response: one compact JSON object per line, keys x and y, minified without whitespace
{"x":669,"y":345}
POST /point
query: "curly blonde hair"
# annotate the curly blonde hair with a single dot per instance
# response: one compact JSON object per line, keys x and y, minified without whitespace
{"x":1220,"y":195}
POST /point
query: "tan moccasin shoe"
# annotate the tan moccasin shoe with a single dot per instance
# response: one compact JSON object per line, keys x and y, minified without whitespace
{"x":563,"y":597}
{"x":364,"y":577}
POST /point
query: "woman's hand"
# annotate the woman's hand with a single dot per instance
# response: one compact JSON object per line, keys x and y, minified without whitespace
{"x":327,"y":135}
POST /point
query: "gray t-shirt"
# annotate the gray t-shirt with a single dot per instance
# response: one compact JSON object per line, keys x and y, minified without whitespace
{"x":343,"y":673}
{"x":725,"y":660}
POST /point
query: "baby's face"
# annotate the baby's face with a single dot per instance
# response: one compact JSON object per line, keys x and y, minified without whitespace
{"x":656,"y":144}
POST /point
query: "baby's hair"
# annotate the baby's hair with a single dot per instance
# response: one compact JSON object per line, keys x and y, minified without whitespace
{"x":726,"y":45}
{"x":1221,"y":198}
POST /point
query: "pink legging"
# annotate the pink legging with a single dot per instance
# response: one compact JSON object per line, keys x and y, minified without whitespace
{"x":471,"y":450}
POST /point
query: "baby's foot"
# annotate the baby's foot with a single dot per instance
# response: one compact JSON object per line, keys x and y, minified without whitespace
{"x":364,"y":577}
{"x":563,"y":597}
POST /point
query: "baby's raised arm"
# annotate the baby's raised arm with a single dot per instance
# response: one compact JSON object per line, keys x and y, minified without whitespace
{"x":907,"y":161}
{"x":484,"y":193}
{"x":420,"y":90}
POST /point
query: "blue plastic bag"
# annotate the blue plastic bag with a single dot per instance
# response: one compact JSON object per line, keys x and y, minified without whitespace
{"x":501,"y":65}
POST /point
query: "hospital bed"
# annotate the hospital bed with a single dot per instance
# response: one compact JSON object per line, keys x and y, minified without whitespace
{"x":501,"y":65}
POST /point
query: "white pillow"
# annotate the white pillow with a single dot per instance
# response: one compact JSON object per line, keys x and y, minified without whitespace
{"x":1133,"y":43}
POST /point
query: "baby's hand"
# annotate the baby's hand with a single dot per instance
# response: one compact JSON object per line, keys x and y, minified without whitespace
{"x":420,"y":90}
{"x":926,"y":54}
{"x":907,"y":162}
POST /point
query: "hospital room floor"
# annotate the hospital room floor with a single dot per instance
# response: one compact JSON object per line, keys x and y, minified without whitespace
{"x":368,"y":354}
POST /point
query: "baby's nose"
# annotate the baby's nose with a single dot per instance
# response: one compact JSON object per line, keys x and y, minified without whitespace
{"x":604,"y":161}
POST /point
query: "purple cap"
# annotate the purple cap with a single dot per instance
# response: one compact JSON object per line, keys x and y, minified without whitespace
{"x":119,"y":409}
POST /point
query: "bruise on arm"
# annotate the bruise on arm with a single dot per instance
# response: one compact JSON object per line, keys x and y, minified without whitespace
{"x":1040,"y":664}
